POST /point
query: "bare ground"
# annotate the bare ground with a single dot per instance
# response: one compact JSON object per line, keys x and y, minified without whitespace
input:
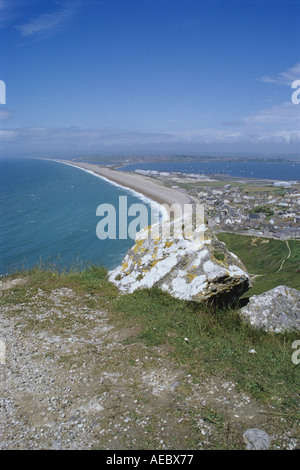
{"x":72,"y":379}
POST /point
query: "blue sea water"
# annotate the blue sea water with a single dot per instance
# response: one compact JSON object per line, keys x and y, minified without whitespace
{"x":48,"y":213}
{"x":273,"y":170}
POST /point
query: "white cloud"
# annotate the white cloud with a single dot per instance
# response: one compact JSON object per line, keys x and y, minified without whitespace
{"x":73,"y":139}
{"x":7,"y":134}
{"x":279,"y":137}
{"x":7,"y":11}
{"x":284,"y":78}
{"x":271,"y":128}
{"x":207,"y":136}
{"x":48,"y":22}
{"x":4,"y":113}
{"x":285,"y":114}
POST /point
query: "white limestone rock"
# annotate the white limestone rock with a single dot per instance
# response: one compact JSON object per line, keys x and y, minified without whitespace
{"x":197,"y":268}
{"x":277,"y":310}
{"x":256,"y":439}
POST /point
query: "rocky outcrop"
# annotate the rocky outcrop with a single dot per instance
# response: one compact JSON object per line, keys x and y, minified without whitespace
{"x":197,"y":268}
{"x":277,"y":310}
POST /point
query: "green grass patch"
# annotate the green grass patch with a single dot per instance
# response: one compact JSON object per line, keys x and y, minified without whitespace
{"x":263,"y":257}
{"x":262,"y":210}
{"x":216,"y":342}
{"x":203,"y":341}
{"x":219,"y":256}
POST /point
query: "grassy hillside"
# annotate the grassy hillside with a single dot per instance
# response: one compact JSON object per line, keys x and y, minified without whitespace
{"x":270,"y":262}
{"x":205,"y":346}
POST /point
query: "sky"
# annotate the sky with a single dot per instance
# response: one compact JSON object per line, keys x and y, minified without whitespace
{"x":108,"y":77}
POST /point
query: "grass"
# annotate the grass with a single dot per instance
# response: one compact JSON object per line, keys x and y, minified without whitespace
{"x":247,"y":188}
{"x":263,"y":257}
{"x":217,"y":342}
{"x":205,"y":342}
{"x":262,"y":209}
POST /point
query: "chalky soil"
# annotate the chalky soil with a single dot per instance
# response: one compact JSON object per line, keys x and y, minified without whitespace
{"x":72,"y":379}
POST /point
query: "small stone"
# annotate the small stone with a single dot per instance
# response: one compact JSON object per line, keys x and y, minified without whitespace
{"x":56,"y":445}
{"x":256,"y":439}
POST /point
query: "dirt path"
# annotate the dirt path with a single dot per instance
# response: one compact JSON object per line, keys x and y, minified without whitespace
{"x":284,"y":260}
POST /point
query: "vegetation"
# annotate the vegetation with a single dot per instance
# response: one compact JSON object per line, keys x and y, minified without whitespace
{"x":219,"y":256}
{"x":204,"y":342}
{"x":263,"y":258}
{"x":262,"y":209}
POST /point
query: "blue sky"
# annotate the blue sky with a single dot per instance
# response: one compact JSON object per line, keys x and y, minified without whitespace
{"x":149,"y":76}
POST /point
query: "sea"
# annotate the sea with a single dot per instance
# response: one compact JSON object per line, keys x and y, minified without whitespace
{"x":49,"y":209}
{"x":49,"y":216}
{"x":273,"y":170}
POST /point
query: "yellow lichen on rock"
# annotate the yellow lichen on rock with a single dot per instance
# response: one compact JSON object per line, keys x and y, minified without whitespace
{"x":188,"y":269}
{"x":138,"y":245}
{"x":191,"y":276}
{"x":124,"y":265}
{"x":153,"y":263}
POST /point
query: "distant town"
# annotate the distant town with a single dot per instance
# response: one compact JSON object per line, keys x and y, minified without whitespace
{"x":242,"y":205}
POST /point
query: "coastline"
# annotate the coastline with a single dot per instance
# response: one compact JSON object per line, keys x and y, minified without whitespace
{"x":137,"y":183}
